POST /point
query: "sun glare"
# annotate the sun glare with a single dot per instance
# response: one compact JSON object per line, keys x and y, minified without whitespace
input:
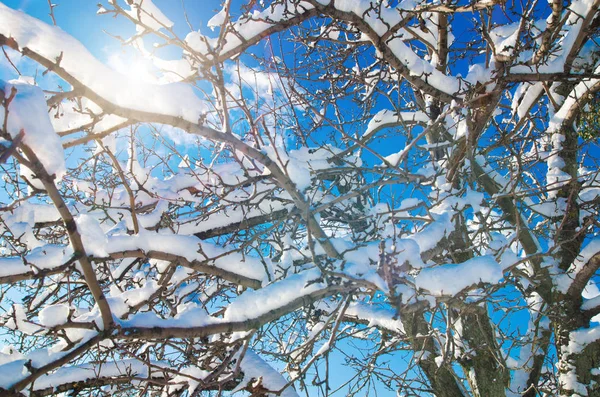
{"x":134,"y":67}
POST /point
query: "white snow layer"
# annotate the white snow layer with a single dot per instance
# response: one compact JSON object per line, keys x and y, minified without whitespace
{"x":453,"y":278}
{"x":149,"y":14}
{"x":255,"y":368}
{"x":379,"y":19}
{"x":84,"y":372}
{"x":177,"y":99}
{"x":191,"y":248}
{"x":45,"y":257}
{"x":252,"y":304}
{"x":51,"y":316}
{"x":28,"y":112}
{"x":563,"y":281}
{"x":375,"y":316}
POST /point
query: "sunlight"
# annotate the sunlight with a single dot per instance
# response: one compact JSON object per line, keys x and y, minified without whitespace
{"x":134,"y":67}
{"x":300,"y":197}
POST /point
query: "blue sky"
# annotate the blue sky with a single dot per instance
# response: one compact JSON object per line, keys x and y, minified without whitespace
{"x":78,"y":17}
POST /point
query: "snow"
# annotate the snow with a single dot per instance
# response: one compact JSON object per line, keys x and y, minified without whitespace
{"x":174,"y":70}
{"x":121,"y":302}
{"x":45,"y":257}
{"x":84,"y":372}
{"x":71,"y":119}
{"x":525,"y":96}
{"x":550,"y":209}
{"x":93,"y":238}
{"x":191,"y":248}
{"x":151,"y":219}
{"x":556,"y":176}
{"x":12,"y":372}
{"x":149,"y":14}
{"x":375,"y":316}
{"x":408,"y":251}
{"x":247,"y":27}
{"x":591,"y":303}
{"x":379,"y":19}
{"x":32,"y":213}
{"x":177,"y":99}
{"x":28,"y":111}
{"x":453,"y":278}
{"x":224,"y":218}
{"x":432,"y":234}
{"x":200,"y":43}
{"x":579,"y":339}
{"x":54,"y":315}
{"x":189,"y":315}
{"x":580,"y":91}
{"x":478,"y":73}
{"x":591,"y":290}
{"x":569,"y":381}
{"x":420,"y":68}
{"x":409,"y":203}
{"x":18,"y":321}
{"x":388,"y":118}
{"x":301,"y":163}
{"x":23,"y":219}
{"x":569,"y":32}
{"x":256,"y":368}
{"x":295,"y":278}
{"x":505,"y":39}
{"x":190,"y":375}
{"x":252,"y":304}
{"x":563,"y":281}
{"x":217,"y":20}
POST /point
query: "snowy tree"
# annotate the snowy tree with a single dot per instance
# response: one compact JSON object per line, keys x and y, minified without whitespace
{"x":304,"y":197}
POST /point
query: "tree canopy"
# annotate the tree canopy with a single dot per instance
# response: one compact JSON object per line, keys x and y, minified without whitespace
{"x":303,"y":197}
